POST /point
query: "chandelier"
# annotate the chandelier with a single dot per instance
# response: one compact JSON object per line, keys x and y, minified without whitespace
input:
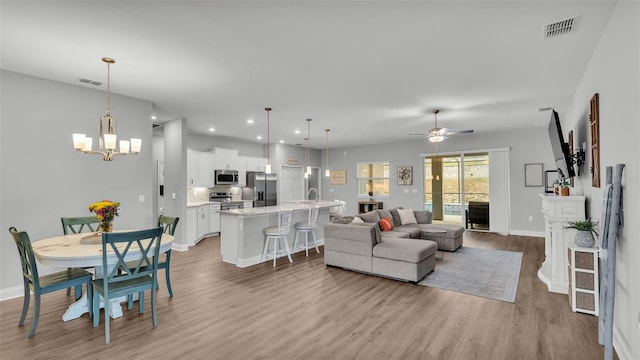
{"x":108,"y":138}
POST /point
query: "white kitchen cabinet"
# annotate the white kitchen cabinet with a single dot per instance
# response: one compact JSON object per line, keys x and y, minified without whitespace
{"x":203,"y":222}
{"x":226,"y":159}
{"x":242,"y":171}
{"x":214,"y":218}
{"x":256,"y":163}
{"x":206,"y":169}
{"x":192,"y":225}
{"x":192,"y":167}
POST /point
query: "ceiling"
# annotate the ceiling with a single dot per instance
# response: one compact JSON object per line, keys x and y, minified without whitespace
{"x":372,"y":72}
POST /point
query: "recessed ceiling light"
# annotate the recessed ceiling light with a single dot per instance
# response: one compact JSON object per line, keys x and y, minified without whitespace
{"x":297,"y":131}
{"x":212,"y":129}
{"x":153,"y":117}
{"x":281,"y":141}
{"x":259,"y":137}
{"x":250,"y":121}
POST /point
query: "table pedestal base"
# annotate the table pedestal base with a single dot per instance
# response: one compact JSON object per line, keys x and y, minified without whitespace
{"x":81,"y":306}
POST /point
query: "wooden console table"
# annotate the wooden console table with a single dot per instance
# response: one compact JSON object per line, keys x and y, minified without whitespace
{"x":366,"y":206}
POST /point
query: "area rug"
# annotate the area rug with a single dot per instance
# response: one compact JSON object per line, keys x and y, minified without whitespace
{"x":488,"y":273}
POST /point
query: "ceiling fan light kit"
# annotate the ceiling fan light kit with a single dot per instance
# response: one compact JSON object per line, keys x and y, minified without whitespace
{"x":438,"y":134}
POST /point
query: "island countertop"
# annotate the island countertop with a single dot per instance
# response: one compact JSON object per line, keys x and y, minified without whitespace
{"x":287,"y":205}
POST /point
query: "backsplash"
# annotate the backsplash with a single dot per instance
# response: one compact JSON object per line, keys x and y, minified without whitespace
{"x":201,"y":194}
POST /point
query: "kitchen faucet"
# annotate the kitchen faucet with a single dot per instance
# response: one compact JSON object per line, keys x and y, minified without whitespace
{"x":309,"y":194}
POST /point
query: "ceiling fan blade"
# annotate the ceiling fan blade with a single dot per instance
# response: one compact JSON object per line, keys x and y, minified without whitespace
{"x":453,"y":132}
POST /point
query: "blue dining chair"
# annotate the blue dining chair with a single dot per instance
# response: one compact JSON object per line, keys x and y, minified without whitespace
{"x":76,"y":225}
{"x":168,"y":225}
{"x":40,"y":285}
{"x":120,"y":279}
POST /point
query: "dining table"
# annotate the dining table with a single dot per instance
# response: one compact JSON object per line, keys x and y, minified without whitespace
{"x":85,"y":250}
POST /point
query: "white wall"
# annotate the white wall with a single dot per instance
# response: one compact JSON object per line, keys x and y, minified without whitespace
{"x":614,"y":73}
{"x":531,"y":146}
{"x":44,"y":178}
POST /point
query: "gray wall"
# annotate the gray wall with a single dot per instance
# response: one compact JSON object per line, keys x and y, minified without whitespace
{"x":531,"y":146}
{"x":614,"y":73}
{"x":44,"y":178}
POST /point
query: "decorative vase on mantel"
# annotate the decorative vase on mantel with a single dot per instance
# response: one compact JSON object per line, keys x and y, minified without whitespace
{"x":584,"y":238}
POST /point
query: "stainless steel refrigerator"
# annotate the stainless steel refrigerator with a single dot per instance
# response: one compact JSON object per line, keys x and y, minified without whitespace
{"x":261,"y":188}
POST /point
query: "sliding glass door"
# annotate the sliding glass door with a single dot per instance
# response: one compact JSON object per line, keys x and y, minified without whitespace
{"x":451,"y":181}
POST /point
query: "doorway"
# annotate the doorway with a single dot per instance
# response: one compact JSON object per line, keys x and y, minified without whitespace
{"x":451,"y":182}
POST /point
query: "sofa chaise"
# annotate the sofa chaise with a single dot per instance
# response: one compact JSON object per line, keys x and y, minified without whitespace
{"x":361,"y":247}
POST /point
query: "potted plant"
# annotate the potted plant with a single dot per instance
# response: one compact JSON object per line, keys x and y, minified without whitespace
{"x":585,"y":231}
{"x":564,"y":189}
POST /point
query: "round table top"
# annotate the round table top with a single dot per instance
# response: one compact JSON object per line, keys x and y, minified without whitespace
{"x":68,"y":251}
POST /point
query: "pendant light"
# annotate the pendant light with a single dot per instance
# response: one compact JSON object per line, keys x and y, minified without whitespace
{"x":267,"y":168}
{"x":108,"y":137}
{"x":327,"y":172}
{"x":308,"y":147}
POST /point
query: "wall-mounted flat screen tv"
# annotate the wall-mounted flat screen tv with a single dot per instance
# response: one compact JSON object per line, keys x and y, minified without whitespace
{"x":561,"y":152}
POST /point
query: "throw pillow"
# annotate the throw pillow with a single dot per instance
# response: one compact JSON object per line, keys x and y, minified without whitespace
{"x":395,"y":216}
{"x":386,"y":224}
{"x":407,"y":216}
{"x":370,"y":217}
{"x":357,"y":220}
{"x":384,"y":213}
{"x":423,"y":216}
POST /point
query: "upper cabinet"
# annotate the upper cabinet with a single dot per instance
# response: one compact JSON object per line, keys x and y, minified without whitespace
{"x":226,"y":159}
{"x":206,"y":169}
{"x":200,"y":168}
{"x":192,"y":167}
{"x":256,"y":163}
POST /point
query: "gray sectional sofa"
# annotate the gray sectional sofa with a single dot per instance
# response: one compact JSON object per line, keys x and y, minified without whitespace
{"x":361,"y":247}
{"x":453,"y":237}
{"x":399,"y":253}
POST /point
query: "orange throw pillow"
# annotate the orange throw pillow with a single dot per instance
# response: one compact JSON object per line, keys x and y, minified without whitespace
{"x":386,"y":224}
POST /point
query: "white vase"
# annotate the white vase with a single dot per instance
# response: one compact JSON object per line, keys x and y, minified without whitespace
{"x":584,"y":239}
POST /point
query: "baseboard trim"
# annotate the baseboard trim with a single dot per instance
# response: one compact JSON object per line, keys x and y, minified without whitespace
{"x":11,"y":293}
{"x":620,"y":346}
{"x":527,"y":233}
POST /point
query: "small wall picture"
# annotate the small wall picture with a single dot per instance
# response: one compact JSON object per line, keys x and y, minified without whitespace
{"x":338,"y":177}
{"x":405,"y":175}
{"x":533,"y":175}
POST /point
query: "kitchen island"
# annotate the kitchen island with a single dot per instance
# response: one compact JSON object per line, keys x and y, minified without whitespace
{"x":241,"y":231}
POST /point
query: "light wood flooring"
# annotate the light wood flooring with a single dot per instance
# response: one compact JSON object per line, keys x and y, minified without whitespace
{"x":306,"y":311}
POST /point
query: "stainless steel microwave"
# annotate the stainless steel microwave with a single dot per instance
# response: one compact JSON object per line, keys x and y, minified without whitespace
{"x":226,"y":177}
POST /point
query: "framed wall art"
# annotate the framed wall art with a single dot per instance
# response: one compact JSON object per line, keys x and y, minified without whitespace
{"x":405,"y":175}
{"x":594,"y":122}
{"x":338,"y":177}
{"x":533,"y":175}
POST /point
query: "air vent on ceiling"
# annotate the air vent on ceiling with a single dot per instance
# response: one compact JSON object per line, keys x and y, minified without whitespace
{"x":561,"y":27}
{"x":92,"y":82}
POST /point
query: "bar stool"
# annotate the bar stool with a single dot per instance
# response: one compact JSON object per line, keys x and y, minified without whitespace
{"x":307,"y":228}
{"x":275,"y":233}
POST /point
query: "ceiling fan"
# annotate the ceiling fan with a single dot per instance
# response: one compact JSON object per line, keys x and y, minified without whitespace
{"x":438,"y":134}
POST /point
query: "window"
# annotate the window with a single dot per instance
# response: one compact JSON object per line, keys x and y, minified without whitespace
{"x":373,"y":177}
